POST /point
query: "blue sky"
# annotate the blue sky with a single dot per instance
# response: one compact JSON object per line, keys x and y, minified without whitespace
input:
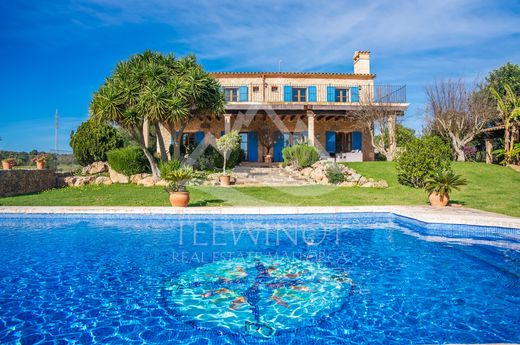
{"x":54,"y":54}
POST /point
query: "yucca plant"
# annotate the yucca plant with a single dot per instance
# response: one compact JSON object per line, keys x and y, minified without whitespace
{"x":177,"y":175}
{"x":443,"y":182}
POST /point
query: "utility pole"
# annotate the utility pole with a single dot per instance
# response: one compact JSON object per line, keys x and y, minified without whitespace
{"x":56,"y":127}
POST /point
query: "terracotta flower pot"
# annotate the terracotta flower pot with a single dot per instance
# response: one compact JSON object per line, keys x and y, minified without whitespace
{"x":225,"y":180}
{"x":438,"y":200}
{"x":179,"y":199}
{"x":6,"y":166}
{"x":40,"y":165}
{"x":268,"y":159}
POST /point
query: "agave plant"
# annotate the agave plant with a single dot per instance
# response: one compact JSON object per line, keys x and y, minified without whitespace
{"x":177,"y":175}
{"x":443,"y":182}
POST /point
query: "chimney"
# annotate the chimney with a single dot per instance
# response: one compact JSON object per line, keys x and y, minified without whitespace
{"x":362,"y":62}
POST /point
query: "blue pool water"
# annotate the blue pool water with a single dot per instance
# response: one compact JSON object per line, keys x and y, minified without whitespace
{"x":306,"y":279}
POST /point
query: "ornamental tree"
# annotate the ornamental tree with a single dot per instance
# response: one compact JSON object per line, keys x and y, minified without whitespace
{"x":459,"y":112}
{"x":226,"y":144}
{"x":147,"y":88}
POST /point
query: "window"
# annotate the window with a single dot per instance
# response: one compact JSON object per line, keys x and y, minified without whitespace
{"x":256,"y":89}
{"x":299,"y":94}
{"x":341,"y":95}
{"x":299,"y":137}
{"x":243,"y":144}
{"x":274,"y":88}
{"x":231,"y":94}
{"x":188,"y":143}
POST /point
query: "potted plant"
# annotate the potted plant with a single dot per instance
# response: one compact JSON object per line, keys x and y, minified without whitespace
{"x":8,"y":163}
{"x":268,"y":136}
{"x":40,"y":159}
{"x":226,"y":144}
{"x":440,"y":185}
{"x":177,"y":175}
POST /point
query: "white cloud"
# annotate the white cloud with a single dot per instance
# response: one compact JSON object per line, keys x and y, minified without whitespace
{"x":313,"y":35}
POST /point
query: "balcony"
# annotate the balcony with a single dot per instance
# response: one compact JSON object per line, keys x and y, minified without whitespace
{"x":316,"y":94}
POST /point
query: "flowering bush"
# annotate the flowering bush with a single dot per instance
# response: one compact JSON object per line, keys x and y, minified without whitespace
{"x":470,"y":152}
{"x":40,"y":158}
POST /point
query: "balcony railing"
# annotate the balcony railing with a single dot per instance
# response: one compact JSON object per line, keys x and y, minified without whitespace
{"x":314,"y":94}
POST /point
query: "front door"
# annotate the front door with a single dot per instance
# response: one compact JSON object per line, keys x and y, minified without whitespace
{"x":281,"y":142}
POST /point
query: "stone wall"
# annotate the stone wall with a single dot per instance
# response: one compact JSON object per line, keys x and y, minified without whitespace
{"x":17,"y":182}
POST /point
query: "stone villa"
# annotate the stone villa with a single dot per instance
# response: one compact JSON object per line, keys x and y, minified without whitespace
{"x":314,"y":106}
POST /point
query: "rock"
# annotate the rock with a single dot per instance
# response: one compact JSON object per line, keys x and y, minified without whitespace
{"x":117,"y":177}
{"x":355,"y":177}
{"x":381,"y":184}
{"x":307,"y":171}
{"x":95,"y":168}
{"x":514,"y":167}
{"x":138,"y":177}
{"x":367,"y":184}
{"x":84,"y":180}
{"x":103,"y":180}
{"x":318,"y":175}
{"x":147,"y":182}
{"x":70,"y":180}
{"x":324,"y":180}
{"x":162,"y":183}
{"x":362,"y":180}
{"x":348,"y":184}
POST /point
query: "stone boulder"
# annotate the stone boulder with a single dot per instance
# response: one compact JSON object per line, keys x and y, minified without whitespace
{"x":162,"y":183}
{"x":70,"y":180}
{"x":84,"y":180}
{"x":103,"y":180}
{"x":95,"y":168}
{"x":146,"y":181}
{"x":117,"y":177}
{"x":138,"y":177}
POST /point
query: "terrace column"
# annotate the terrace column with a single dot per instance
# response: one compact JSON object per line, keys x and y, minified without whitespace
{"x":489,"y":151}
{"x":310,"y":127}
{"x":227,"y":123}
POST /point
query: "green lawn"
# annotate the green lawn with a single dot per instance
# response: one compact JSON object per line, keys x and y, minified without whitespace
{"x":490,"y":187}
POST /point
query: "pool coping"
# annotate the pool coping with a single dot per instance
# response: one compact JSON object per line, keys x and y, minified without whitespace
{"x":427,"y":214}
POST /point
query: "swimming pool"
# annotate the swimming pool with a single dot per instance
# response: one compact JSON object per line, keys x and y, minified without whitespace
{"x":365,"y":278}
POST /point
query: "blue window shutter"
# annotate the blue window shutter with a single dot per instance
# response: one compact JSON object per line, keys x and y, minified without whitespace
{"x":330,"y":144}
{"x":356,"y":140}
{"x":312,"y":93}
{"x":199,"y":136}
{"x":252,"y":146}
{"x":278,"y":147}
{"x":243,"y":93}
{"x":331,"y":94}
{"x":287,"y":93}
{"x":354,"y":94}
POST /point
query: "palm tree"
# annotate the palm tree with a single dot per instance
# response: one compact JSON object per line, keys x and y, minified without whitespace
{"x":509,"y":109}
{"x":195,"y":93}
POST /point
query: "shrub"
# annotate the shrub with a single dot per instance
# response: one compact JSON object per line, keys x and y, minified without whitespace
{"x":443,"y":182}
{"x":128,"y":160}
{"x":92,"y":141}
{"x":176,"y":174}
{"x":212,"y":159}
{"x":301,"y":155}
{"x":335,"y":174}
{"x":420,"y":158}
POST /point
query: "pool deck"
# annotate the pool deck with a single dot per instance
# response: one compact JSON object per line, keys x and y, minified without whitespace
{"x":455,"y":215}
